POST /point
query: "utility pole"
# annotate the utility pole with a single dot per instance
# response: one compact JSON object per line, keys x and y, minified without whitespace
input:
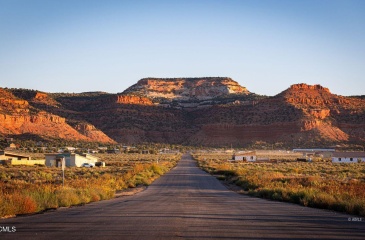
{"x":63,"y":171}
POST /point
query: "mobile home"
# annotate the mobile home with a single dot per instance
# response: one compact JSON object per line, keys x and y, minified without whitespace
{"x":348,"y":157}
{"x":245,"y":156}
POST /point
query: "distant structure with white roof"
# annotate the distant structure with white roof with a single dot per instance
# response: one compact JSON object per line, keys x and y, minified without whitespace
{"x":348,"y":157}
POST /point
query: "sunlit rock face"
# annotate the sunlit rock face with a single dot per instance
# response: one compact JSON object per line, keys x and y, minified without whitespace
{"x":192,"y":111}
{"x":186,"y":88}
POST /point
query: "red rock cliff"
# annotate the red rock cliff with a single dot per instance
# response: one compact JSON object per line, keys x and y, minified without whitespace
{"x":128,"y":99}
{"x":186,"y":88}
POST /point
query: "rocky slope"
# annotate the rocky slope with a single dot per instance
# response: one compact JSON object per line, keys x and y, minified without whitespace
{"x":334,"y":117}
{"x":199,"y":111}
{"x":302,"y":115}
{"x":20,"y":117}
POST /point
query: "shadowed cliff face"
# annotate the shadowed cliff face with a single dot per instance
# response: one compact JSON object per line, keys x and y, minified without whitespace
{"x":302,"y":115}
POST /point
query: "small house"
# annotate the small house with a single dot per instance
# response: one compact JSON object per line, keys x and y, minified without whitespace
{"x":13,"y":156}
{"x":70,"y":149}
{"x":12,"y":146}
{"x":71,"y":159}
{"x":10,"y":158}
{"x":115,"y":151}
{"x":245,"y":156}
{"x":315,"y":152}
{"x":164,"y":150}
{"x":348,"y":157}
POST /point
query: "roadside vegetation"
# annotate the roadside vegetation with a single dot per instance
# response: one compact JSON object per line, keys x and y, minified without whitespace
{"x":30,"y":189}
{"x":319,"y":184}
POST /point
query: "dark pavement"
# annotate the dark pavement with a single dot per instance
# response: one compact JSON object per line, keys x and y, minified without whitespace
{"x":186,"y":203}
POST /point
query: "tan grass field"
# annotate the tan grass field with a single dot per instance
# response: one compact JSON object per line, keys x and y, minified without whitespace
{"x":320,"y":184}
{"x":30,"y":189}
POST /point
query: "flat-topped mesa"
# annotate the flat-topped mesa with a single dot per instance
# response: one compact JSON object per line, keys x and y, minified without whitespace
{"x":186,"y":88}
{"x":309,"y":87}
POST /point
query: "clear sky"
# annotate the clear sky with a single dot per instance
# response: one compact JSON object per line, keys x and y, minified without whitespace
{"x":86,"y":45}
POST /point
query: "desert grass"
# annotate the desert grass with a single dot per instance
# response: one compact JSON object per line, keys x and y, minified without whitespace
{"x":338,"y":187}
{"x":30,"y":189}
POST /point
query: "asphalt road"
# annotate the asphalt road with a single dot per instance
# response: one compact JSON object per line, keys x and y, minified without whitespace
{"x":186,"y":203}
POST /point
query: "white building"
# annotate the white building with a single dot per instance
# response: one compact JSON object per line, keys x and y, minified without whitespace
{"x":71,"y":159}
{"x":319,"y":152}
{"x":348,"y":157}
{"x":245,"y":156}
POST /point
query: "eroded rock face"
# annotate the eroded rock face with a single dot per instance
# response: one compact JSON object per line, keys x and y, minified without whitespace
{"x":40,"y":96}
{"x":186,"y":88}
{"x":320,"y":113}
{"x":17,"y":116}
{"x":94,"y":134}
{"x":302,"y":114}
{"x":130,"y":99}
{"x":303,"y":86}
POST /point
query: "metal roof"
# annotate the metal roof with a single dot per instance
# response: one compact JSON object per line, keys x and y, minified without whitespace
{"x":349,"y":154}
{"x":15,"y":154}
{"x":245,"y":153}
{"x":313,"y":150}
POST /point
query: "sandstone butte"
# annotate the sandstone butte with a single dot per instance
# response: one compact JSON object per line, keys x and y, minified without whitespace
{"x":196,"y":111}
{"x":186,"y":88}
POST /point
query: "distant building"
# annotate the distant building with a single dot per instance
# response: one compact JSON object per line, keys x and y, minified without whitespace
{"x":166,"y":150}
{"x":245,"y":156}
{"x":312,"y":152}
{"x":9,"y":158}
{"x":92,"y":151}
{"x":13,"y":156}
{"x":70,"y":149}
{"x":115,"y":151}
{"x":348,"y":157}
{"x":12,"y":146}
{"x":71,"y":159}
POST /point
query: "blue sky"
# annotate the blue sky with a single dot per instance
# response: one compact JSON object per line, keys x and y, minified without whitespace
{"x":79,"y":46}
